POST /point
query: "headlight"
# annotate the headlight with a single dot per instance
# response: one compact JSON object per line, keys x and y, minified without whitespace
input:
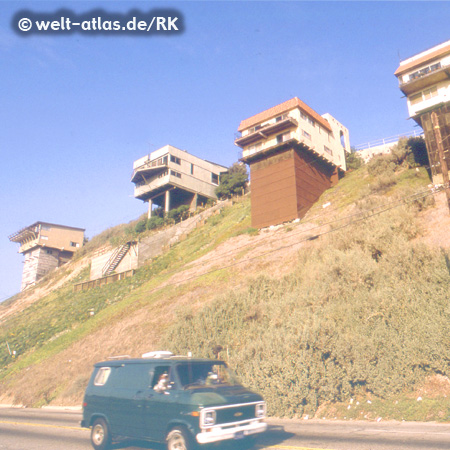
{"x":208,"y":417}
{"x":260,"y":410}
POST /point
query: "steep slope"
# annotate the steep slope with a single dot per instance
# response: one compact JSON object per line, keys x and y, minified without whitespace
{"x":181,"y":299}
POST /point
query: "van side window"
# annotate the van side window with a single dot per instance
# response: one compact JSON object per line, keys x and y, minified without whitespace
{"x":158,"y":373}
{"x":102,"y":376}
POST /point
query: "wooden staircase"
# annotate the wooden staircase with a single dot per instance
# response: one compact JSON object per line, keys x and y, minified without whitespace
{"x":115,"y":259}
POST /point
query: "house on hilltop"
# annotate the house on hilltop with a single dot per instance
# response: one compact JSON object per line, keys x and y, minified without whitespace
{"x":170,"y":177}
{"x":46,"y":246}
{"x":294,"y":155}
{"x":425,"y":80}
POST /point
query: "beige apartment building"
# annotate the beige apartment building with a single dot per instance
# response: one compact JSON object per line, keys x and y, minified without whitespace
{"x":170,"y":177}
{"x":294,"y":155}
{"x":425,"y":80}
{"x":45,"y":247}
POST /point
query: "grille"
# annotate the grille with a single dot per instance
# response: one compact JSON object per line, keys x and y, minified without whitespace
{"x":235,"y":414}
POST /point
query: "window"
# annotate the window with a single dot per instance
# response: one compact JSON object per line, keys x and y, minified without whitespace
{"x":424,"y":71}
{"x":192,"y":169}
{"x":163,"y":174}
{"x":102,"y":376}
{"x":307,"y":118}
{"x":175,"y":174}
{"x":416,"y":98}
{"x":214,"y":178}
{"x":255,"y":147}
{"x":74,"y":244}
{"x":306,"y":134}
{"x":280,"y":118}
{"x":175,"y":160}
{"x":424,"y":95}
{"x":283,"y":137}
{"x":49,"y":252}
{"x":327,"y":150}
{"x":429,"y":93}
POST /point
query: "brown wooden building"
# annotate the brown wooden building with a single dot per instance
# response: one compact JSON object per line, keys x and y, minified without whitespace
{"x":294,"y":155}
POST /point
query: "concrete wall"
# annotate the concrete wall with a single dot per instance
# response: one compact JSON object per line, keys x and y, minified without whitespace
{"x":128,"y":262}
{"x":151,"y":246}
{"x":38,"y":262}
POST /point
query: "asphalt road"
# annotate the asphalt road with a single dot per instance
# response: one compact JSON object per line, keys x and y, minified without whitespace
{"x":35,"y":429}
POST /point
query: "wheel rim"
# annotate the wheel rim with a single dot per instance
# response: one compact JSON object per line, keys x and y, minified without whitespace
{"x":176,"y":442}
{"x":98,"y":435}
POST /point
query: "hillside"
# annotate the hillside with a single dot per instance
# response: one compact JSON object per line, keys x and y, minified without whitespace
{"x":348,"y":304}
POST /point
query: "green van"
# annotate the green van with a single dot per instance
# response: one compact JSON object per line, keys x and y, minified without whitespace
{"x":161,"y":398}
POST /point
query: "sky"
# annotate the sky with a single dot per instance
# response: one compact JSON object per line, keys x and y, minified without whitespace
{"x":76,"y":110}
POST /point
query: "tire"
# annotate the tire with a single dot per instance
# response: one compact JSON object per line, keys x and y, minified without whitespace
{"x":100,"y":435}
{"x":179,"y":439}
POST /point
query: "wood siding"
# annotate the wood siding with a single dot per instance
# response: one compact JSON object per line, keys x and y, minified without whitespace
{"x":284,"y":186}
{"x":443,"y":115}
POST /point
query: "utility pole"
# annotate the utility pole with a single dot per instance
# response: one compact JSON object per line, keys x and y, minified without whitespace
{"x":442,"y":160}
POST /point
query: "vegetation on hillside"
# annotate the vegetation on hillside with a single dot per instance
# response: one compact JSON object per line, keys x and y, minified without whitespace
{"x":364,"y":315}
{"x":366,"y":312}
{"x":232,"y":182}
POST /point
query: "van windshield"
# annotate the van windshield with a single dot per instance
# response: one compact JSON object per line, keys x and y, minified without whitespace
{"x":205,"y":374}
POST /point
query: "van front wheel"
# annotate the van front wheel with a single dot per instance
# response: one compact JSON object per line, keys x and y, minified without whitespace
{"x":179,"y":439}
{"x":100,"y":435}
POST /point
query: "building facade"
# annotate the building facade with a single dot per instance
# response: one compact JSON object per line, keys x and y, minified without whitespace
{"x":45,"y":247}
{"x":170,"y":177}
{"x":425,"y":80}
{"x":294,"y":155}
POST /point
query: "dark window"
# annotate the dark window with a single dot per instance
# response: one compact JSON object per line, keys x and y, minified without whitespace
{"x":192,"y":169}
{"x":175,"y":160}
{"x":214,"y":178}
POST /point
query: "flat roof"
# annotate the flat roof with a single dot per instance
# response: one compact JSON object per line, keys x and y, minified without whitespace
{"x":422,"y":57}
{"x":27,"y":231}
{"x":280,"y":109}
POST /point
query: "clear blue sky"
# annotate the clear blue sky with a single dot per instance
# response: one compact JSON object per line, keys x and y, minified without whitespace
{"x":76,"y":111}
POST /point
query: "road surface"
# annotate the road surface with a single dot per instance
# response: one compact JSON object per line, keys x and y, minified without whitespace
{"x":43,"y":429}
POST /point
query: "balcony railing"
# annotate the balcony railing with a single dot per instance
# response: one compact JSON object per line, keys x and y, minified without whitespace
{"x":389,"y":140}
{"x":262,"y":132}
{"x":419,"y":81}
{"x":149,"y":164}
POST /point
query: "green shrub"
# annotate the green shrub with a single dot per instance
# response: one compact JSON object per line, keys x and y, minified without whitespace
{"x":179,"y":213}
{"x":141,"y":226}
{"x":354,"y":160}
{"x":232,"y":182}
{"x":154,"y":222}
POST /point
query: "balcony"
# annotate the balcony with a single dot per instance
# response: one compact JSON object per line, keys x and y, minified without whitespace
{"x":423,"y":81}
{"x":149,"y":168}
{"x":147,"y":190}
{"x":269,"y":147}
{"x":265,"y":131}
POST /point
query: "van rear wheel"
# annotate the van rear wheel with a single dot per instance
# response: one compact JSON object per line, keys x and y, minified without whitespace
{"x":179,"y":439}
{"x":100,"y":435}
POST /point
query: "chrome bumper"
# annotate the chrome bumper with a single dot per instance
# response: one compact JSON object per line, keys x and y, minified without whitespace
{"x":222,"y":433}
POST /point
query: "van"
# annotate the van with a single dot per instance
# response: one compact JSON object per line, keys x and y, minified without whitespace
{"x":179,"y":401}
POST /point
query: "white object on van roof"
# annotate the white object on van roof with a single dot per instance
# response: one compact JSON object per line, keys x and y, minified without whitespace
{"x":158,"y":354}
